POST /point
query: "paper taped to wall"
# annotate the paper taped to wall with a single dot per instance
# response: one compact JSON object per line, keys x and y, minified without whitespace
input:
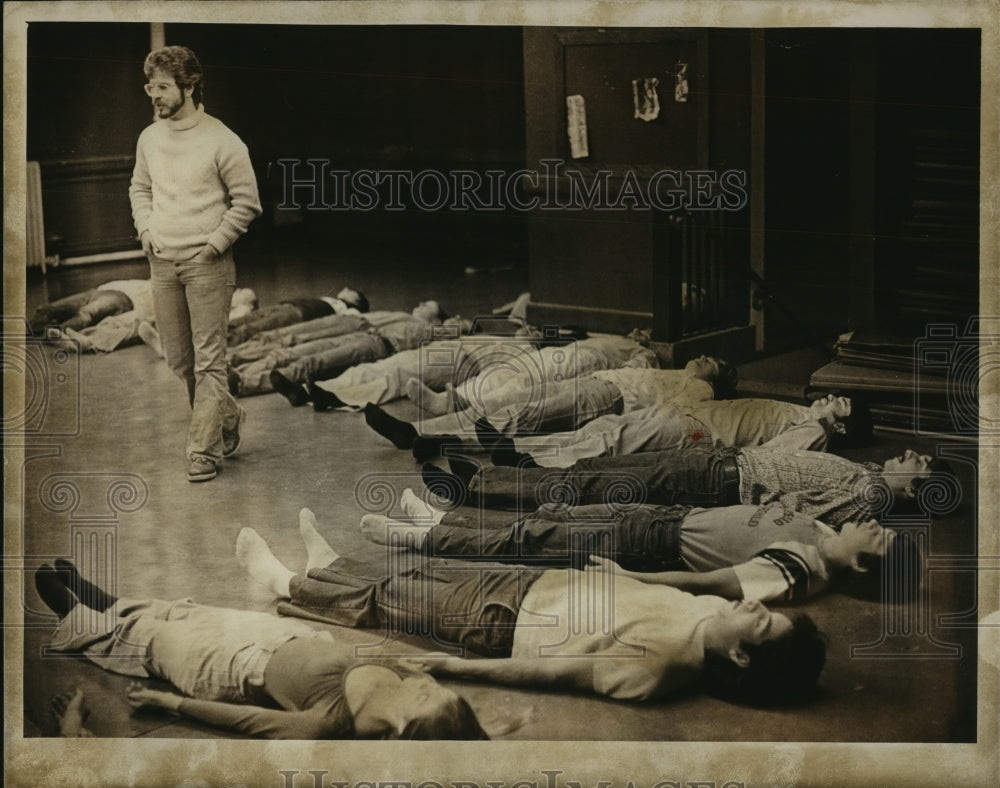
{"x":576,"y":126}
{"x":647,"y":105}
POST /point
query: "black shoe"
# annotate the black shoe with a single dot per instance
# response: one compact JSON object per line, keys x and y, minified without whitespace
{"x":508,"y":456}
{"x":401,"y":433}
{"x":487,"y":434}
{"x":444,"y":485}
{"x":233,"y":380}
{"x":427,"y":447}
{"x":322,"y":399}
{"x":293,"y":392}
{"x":91,"y":594}
{"x":54,"y":593}
{"x":463,"y":469}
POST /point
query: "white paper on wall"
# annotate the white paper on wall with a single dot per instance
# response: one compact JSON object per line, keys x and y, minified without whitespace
{"x":681,"y":88}
{"x":646,"y":101}
{"x":576,"y":126}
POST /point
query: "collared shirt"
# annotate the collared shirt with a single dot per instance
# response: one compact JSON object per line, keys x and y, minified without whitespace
{"x":825,"y":486}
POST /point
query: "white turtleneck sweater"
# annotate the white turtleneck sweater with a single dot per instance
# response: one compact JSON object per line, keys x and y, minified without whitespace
{"x":193,"y":184}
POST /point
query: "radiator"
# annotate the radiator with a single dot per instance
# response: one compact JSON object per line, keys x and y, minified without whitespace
{"x":35,"y":231}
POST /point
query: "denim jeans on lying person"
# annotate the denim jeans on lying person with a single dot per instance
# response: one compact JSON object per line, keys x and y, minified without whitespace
{"x":472,"y":606}
{"x":545,"y":407}
{"x":642,"y":538}
{"x":319,"y":358}
{"x":80,"y":310}
{"x":295,"y":334}
{"x":694,"y":476}
{"x":192,"y":302}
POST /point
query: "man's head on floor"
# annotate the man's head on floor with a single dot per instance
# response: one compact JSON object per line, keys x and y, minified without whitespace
{"x":354,"y":298}
{"x":760,"y":657}
{"x":912,"y":475}
{"x":717,"y":372}
{"x":848,"y":420}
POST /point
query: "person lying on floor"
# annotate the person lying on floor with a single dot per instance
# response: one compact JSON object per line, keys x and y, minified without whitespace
{"x":79,"y":310}
{"x":437,"y":363}
{"x":767,"y":553}
{"x":113,"y":315}
{"x":375,"y":336}
{"x":828,"y":487}
{"x":535,"y":369}
{"x":246,"y":671}
{"x":295,"y":310}
{"x":650,"y":639}
{"x":567,"y":405}
{"x":735,"y":423}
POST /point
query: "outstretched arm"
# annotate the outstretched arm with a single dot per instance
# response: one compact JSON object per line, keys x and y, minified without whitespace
{"x":554,"y":672}
{"x":722,"y":582}
{"x":252,"y":720}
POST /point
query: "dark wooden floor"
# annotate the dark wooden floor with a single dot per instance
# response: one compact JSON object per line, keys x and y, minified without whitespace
{"x":153,"y":534}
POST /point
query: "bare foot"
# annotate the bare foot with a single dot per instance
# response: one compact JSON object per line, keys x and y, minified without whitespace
{"x":417,"y":510}
{"x":70,"y":711}
{"x":384,"y":530}
{"x":259,"y":562}
{"x":430,"y":401}
{"x":319,"y":554}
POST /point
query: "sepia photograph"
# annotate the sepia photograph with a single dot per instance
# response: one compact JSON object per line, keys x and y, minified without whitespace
{"x":501,"y":395}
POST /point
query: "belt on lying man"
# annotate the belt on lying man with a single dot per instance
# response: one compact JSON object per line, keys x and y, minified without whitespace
{"x":730,"y":480}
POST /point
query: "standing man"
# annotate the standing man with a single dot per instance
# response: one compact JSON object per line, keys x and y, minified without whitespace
{"x":193,"y":194}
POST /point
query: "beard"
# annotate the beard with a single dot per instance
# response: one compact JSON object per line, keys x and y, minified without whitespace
{"x":164,"y":108}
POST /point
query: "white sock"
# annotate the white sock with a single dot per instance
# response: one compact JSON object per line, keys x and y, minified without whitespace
{"x":417,"y":510}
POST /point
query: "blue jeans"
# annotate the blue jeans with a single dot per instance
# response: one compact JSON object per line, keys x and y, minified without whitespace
{"x":692,"y":476}
{"x":192,"y":303}
{"x":473,"y":606}
{"x":641,"y":538}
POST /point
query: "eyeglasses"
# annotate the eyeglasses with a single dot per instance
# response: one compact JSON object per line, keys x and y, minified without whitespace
{"x":158,"y":87}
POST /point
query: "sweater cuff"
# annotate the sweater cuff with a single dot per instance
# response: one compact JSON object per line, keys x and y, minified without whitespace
{"x":221,"y":240}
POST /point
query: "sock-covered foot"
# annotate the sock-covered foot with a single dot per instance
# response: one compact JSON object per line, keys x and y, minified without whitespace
{"x":401,"y":433}
{"x":426,"y":399}
{"x":444,"y":485}
{"x":290,"y":390}
{"x":427,"y":447}
{"x":319,"y":554}
{"x":322,"y":399}
{"x":418,"y":510}
{"x":91,"y":594}
{"x":56,"y":596}
{"x":384,"y":530}
{"x":260,"y":563}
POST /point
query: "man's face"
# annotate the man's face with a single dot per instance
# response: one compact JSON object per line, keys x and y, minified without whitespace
{"x":831,"y":409}
{"x":421,"y":696}
{"x":167,"y":98}
{"x":868,"y":537}
{"x":427,"y":310}
{"x":704,"y":368}
{"x":750,"y":622}
{"x":348,"y":296}
{"x":900,"y":471}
